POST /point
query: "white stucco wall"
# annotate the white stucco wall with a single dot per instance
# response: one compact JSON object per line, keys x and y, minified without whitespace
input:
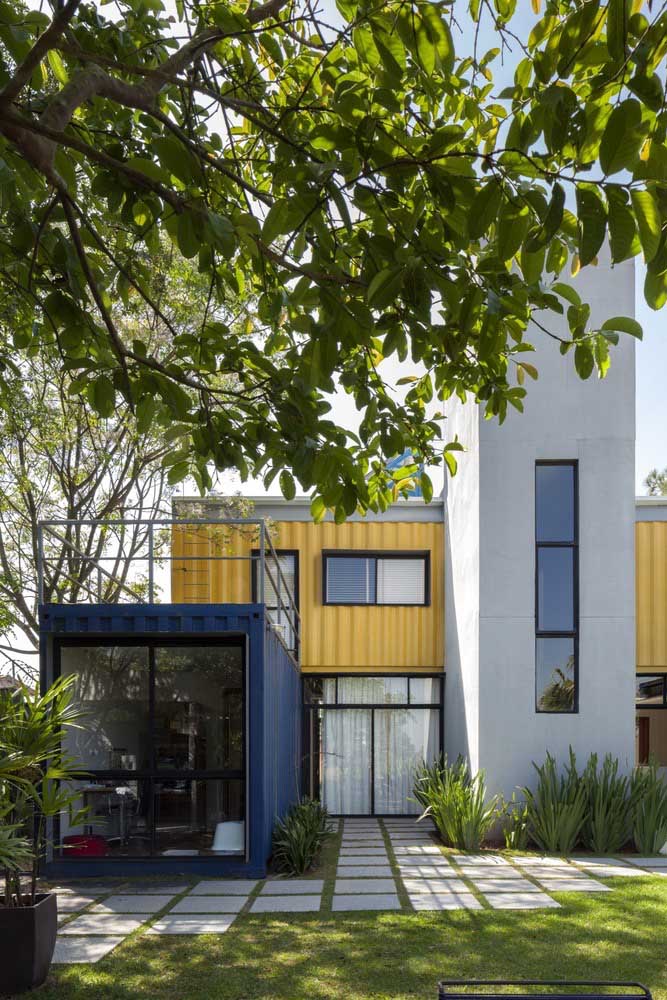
{"x":564,"y":418}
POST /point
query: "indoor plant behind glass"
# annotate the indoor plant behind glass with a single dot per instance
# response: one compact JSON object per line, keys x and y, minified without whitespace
{"x":34,"y":788}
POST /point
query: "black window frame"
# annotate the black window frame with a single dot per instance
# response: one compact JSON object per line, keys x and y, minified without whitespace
{"x":311,"y":778}
{"x":377,"y":554}
{"x":640,"y":706}
{"x":573,"y":544}
{"x":152,"y":775}
{"x":254,"y":565}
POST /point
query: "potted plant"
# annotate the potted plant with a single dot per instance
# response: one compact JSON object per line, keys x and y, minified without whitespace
{"x":34,"y":777}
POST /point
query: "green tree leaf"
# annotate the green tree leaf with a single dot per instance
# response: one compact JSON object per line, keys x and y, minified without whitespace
{"x":592,"y":214}
{"x":649,"y":222}
{"x":622,"y":138}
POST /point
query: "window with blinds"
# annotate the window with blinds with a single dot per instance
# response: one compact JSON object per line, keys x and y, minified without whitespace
{"x":398,"y":578}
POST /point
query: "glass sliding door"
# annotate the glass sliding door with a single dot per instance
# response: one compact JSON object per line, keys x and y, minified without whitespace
{"x":346,"y":760}
{"x":403,"y":739}
{"x":163,"y":749}
{"x":364,"y":737}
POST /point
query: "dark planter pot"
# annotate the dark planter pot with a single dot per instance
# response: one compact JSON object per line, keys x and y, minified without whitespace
{"x":27,"y":940}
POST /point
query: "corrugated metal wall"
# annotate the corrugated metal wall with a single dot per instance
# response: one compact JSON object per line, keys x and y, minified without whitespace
{"x":333,"y":638}
{"x":282,"y":735}
{"x":651,"y":585}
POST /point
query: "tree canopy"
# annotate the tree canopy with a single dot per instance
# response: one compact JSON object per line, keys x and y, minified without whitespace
{"x":367,"y":189}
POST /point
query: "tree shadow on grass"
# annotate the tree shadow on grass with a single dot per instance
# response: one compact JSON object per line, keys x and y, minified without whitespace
{"x":616,"y":935}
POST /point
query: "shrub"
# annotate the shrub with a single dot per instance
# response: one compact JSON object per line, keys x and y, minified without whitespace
{"x":515,"y":824}
{"x":609,"y":806}
{"x":649,"y":810}
{"x":455,"y":801}
{"x":299,"y":836}
{"x":35,"y":776}
{"x":557,"y":808}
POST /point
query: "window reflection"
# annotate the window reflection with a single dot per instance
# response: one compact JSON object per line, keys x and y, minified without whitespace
{"x":198,"y":708}
{"x":555,"y":675}
{"x":112,"y":687}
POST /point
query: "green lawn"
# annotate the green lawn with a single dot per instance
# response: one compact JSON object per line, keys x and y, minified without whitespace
{"x":616,"y":935}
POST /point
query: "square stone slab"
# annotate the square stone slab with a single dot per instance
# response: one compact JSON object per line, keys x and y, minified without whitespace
{"x":154,"y":888}
{"x":83,"y":889}
{"x":70,"y":951}
{"x":363,"y":859}
{"x":658,"y":862}
{"x":384,"y":901}
{"x":521,"y":900}
{"x":362,"y":838}
{"x":573,"y":885}
{"x":192,"y":925}
{"x":368,"y":851}
{"x":364,"y":885}
{"x":295,"y":886}
{"x":410,"y":837}
{"x":101,"y":923}
{"x":132,"y":904}
{"x":417,"y":849}
{"x":224,"y":887}
{"x":541,"y":861}
{"x":72,"y":904}
{"x":362,"y":871}
{"x":286,"y":904}
{"x":589,"y":862}
{"x":445,"y":901}
{"x":480,"y":859}
{"x":489,"y":871}
{"x":426,"y":871}
{"x":362,"y":835}
{"x":552,"y":871}
{"x":209,"y":904}
{"x":504,"y":885}
{"x":609,"y":871}
{"x":659,"y":870}
{"x":437,"y":885}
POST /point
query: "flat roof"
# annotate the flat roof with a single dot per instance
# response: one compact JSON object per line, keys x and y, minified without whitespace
{"x":650,"y":508}
{"x":298,"y":509}
{"x":411,"y":509}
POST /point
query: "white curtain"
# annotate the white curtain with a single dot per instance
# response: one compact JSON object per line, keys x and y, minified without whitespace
{"x":372,"y":690}
{"x":403,"y":738}
{"x":346,"y":760}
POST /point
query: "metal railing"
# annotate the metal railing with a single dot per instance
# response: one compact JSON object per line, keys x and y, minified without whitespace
{"x":165,"y":560}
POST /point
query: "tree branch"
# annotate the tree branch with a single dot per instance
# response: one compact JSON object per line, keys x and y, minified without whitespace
{"x":46,"y":41}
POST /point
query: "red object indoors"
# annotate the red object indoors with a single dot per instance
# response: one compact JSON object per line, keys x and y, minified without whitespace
{"x":87,"y":845}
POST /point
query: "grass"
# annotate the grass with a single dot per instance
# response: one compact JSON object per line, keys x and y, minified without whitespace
{"x":377,"y":956}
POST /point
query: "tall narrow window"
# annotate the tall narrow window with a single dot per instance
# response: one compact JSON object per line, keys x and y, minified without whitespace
{"x":556,"y":596}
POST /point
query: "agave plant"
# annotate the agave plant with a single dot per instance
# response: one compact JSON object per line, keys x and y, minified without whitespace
{"x":456,"y":802}
{"x":34,"y":777}
{"x":299,"y":836}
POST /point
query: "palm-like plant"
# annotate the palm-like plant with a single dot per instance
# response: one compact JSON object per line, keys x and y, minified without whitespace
{"x":34,"y":780}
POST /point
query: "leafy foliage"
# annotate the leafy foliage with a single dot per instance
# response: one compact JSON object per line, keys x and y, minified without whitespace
{"x":299,"y":836}
{"x":34,"y":777}
{"x":599,"y":809}
{"x":609,"y":810}
{"x":515,"y":824}
{"x":456,"y":802}
{"x":361,"y":186}
{"x":656,"y":483}
{"x":649,"y":792}
{"x":557,"y":807}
